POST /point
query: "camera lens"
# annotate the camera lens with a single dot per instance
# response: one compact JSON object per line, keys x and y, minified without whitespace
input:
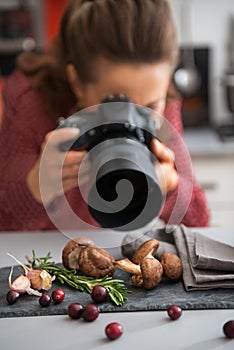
{"x":125,"y":194}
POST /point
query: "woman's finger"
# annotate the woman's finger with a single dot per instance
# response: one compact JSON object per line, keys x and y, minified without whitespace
{"x":70,"y":183}
{"x":162,"y":152}
{"x":75,"y":171}
{"x":167,"y":176}
{"x":74,"y":157}
{"x":58,"y":136}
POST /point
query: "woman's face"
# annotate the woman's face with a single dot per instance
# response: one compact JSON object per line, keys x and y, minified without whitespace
{"x":143,"y":84}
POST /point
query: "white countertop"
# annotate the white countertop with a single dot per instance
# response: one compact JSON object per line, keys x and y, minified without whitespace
{"x":206,"y":142}
{"x":200,"y":329}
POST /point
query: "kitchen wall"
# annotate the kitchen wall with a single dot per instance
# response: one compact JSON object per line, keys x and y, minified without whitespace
{"x":46,"y":16}
{"x":210,"y":26}
{"x":53,"y":10}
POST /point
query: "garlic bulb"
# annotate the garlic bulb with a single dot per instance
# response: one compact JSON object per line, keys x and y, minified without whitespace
{"x":38,"y":279}
{"x":22,"y":285}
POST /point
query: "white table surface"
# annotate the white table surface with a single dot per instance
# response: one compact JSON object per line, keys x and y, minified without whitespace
{"x":196,"y":329}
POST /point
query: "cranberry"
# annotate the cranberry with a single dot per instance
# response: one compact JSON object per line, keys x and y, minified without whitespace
{"x":113,"y":330}
{"x":99,"y":294}
{"x":58,"y":295}
{"x":75,"y":310}
{"x":90,"y":312}
{"x":228,"y":329}
{"x":174,"y":312}
{"x":12,"y":296}
{"x":45,"y":300}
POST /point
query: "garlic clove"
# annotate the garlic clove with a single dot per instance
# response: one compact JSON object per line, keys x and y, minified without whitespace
{"x":40,"y":279}
{"x":46,"y":279}
{"x":35,"y":279}
{"x":22,"y":285}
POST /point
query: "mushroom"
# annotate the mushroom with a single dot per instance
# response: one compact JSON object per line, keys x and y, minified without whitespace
{"x":71,"y":251}
{"x":172,"y":266}
{"x":96,"y":262}
{"x":146,"y":249}
{"x":151,"y":271}
{"x":145,"y":269}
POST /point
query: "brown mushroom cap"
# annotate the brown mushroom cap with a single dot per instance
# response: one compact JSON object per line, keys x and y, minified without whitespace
{"x":152,"y":272}
{"x":172,"y":266}
{"x":72,"y":249}
{"x":137,"y":280}
{"x":96,"y":262}
{"x":147,"y":248}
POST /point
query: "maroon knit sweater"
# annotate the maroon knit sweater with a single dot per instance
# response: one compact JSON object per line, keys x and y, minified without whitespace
{"x":24,"y":125}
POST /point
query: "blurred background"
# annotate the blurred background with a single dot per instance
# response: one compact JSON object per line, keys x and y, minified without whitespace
{"x":204,"y":77}
{"x":25,"y":25}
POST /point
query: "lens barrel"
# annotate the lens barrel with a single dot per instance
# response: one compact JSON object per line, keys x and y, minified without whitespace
{"x":124,"y":192}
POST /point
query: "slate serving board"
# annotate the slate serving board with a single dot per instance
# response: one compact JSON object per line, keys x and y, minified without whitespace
{"x":159,"y":298}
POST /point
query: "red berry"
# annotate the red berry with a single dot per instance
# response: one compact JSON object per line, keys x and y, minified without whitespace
{"x":58,"y":295}
{"x":113,"y":330}
{"x":75,"y":310}
{"x":228,"y":329}
{"x":174,"y":312}
{"x":90,"y":312}
{"x":99,"y":294}
{"x":12,"y":296}
{"x":45,"y":300}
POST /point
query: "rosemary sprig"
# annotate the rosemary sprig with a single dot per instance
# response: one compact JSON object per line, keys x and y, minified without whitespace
{"x":116,"y":288}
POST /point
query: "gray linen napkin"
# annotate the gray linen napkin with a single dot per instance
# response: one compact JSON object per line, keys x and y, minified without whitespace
{"x":212,"y":254}
{"x":207,"y":263}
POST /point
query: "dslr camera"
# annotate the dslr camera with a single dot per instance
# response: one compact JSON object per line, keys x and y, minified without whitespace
{"x":124,"y":193}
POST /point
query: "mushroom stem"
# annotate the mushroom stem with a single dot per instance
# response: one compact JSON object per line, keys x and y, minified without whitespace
{"x":128,"y":266}
{"x":150,"y":254}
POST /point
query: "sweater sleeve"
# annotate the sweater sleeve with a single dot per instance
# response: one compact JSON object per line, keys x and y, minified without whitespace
{"x":187,"y":203}
{"x":23,"y":128}
{"x":25,"y":123}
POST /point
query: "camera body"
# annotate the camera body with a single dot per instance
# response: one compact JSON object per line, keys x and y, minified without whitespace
{"x":124,"y":193}
{"x":108,"y":121}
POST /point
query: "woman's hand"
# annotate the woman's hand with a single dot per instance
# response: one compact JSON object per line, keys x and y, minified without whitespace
{"x":57,"y":172}
{"x":167,"y":175}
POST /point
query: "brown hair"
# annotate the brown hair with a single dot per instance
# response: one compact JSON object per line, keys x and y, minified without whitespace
{"x":122,"y":31}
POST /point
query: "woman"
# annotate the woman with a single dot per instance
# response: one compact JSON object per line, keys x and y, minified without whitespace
{"x":103,"y":47}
